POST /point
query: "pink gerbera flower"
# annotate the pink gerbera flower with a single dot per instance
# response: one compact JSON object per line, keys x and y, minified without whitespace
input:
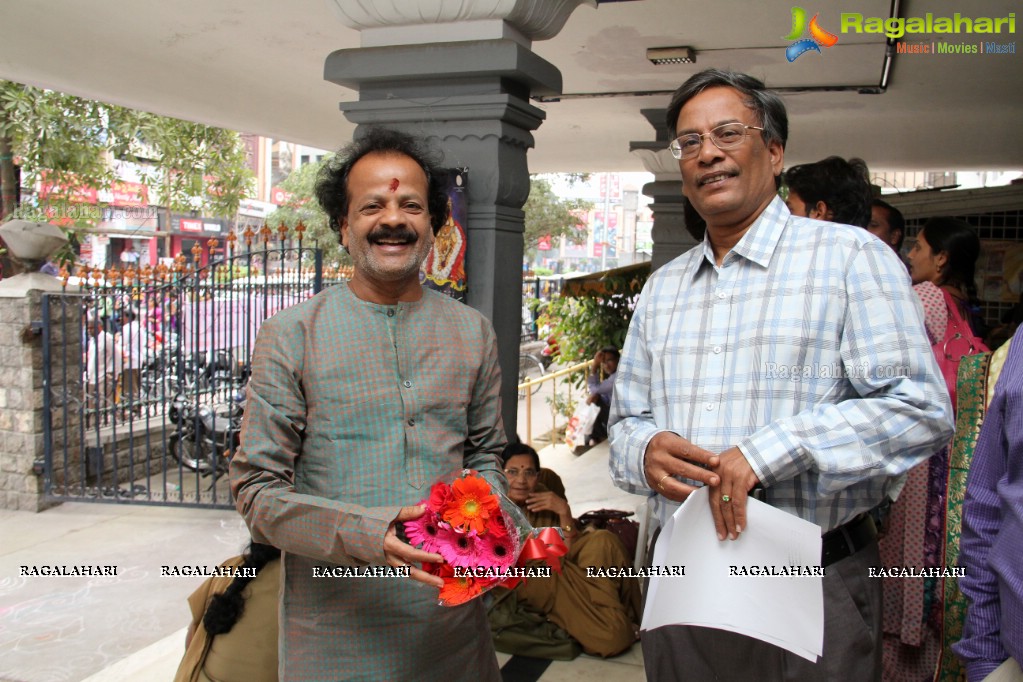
{"x":424,"y":532}
{"x":497,"y":552}
{"x":460,"y":549}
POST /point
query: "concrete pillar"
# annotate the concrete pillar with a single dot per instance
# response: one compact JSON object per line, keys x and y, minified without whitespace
{"x":469,"y":96}
{"x":21,"y":391}
{"x":671,"y":234}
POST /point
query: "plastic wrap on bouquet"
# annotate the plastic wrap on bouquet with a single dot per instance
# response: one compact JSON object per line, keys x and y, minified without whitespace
{"x":482,"y":535}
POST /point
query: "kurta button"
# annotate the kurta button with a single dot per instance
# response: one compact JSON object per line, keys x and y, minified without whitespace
{"x":411,"y":422}
{"x":390,"y":313}
{"x":408,"y":384}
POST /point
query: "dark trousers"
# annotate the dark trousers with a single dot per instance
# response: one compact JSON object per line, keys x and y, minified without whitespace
{"x":852,"y":639}
{"x":599,"y":432}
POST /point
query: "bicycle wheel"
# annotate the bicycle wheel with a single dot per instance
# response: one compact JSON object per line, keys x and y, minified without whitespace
{"x":529,"y":368}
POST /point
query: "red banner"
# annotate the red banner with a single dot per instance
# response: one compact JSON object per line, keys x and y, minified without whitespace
{"x":279,"y":196}
{"x":85,"y":195}
{"x":129,"y":194}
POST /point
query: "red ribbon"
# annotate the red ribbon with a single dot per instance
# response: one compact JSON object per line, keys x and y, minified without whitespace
{"x":546,"y":546}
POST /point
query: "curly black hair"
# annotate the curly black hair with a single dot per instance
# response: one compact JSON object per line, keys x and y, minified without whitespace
{"x":332,"y":180}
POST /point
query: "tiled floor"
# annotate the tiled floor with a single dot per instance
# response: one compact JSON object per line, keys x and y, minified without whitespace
{"x":131,"y":627}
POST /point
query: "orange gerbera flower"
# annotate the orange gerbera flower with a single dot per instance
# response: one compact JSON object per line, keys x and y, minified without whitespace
{"x":471,"y":505}
{"x":458,"y":590}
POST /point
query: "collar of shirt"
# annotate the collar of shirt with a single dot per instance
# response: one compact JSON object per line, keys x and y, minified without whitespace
{"x":759,"y":242}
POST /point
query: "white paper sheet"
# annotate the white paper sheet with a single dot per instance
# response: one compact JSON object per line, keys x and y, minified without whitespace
{"x":787,"y":611}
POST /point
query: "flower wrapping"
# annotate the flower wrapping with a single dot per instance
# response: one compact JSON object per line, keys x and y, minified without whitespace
{"x":482,"y":536}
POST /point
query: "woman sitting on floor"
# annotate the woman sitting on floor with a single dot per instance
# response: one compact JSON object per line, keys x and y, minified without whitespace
{"x":601,"y":613}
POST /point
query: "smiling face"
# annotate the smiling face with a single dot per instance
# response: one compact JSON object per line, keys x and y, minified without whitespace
{"x":387,"y":228}
{"x":729,"y":189}
{"x":522,"y":476}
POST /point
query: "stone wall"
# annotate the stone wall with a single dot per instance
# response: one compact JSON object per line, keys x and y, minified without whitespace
{"x":21,"y":392}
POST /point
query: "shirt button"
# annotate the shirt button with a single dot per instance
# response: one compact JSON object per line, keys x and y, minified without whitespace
{"x":411,"y":422}
{"x":717,"y":349}
{"x":390,"y":313}
{"x":710,"y":406}
{"x":408,"y":384}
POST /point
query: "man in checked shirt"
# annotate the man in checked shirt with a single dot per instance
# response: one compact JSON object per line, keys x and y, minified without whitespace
{"x":361,"y":398}
{"x":783,"y":352}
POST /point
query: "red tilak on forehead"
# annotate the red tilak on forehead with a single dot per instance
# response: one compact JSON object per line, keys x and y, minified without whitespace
{"x":394,"y":184}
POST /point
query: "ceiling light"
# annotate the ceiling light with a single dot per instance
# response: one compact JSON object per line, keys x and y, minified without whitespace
{"x":671,"y":55}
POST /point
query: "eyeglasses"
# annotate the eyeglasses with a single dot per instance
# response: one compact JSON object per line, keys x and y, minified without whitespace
{"x":515,"y":473}
{"x":727,"y":136}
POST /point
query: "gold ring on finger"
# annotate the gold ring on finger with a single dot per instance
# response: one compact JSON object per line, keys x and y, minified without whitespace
{"x":660,"y":483}
{"x":726,"y":498}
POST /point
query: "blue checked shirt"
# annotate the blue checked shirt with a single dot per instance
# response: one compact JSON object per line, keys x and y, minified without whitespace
{"x":806,"y":348}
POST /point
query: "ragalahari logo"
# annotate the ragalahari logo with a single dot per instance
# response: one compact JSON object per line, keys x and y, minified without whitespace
{"x":818,"y":36}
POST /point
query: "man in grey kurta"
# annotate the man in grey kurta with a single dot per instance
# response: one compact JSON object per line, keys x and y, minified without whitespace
{"x":360,"y":398}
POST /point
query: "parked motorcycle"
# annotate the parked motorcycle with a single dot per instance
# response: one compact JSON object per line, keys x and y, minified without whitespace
{"x":206,"y":435}
{"x":550,"y":352}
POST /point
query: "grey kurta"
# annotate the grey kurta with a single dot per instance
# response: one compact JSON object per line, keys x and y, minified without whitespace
{"x":354,"y":409}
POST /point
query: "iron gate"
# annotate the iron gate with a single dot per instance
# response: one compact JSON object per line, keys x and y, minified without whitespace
{"x":144,"y":370}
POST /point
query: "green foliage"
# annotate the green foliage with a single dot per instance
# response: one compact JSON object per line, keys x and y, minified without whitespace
{"x":586,"y":323}
{"x":303,"y":208}
{"x":549,"y":214}
{"x":195,"y":166}
{"x":225,"y":274}
{"x":563,"y":404}
{"x":73,"y":141}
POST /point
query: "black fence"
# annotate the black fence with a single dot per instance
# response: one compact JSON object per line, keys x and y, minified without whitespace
{"x":144,"y":370}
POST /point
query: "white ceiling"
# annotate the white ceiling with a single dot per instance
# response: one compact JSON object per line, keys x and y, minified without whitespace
{"x":257,"y":66}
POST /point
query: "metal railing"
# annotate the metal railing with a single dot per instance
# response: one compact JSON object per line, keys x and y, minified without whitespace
{"x":143,"y":369}
{"x":526,"y":390}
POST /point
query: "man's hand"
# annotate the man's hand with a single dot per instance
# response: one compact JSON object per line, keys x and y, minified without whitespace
{"x":669,"y":454}
{"x":399,"y":553}
{"x":736,"y":480}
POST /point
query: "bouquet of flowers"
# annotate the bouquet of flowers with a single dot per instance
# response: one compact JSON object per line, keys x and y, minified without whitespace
{"x":482,"y":536}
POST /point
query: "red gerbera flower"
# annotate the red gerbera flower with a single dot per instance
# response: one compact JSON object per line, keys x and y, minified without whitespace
{"x":440,"y":495}
{"x":472,"y":505}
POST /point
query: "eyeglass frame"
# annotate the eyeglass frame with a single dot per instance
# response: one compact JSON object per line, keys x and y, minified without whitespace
{"x":679,"y":157}
{"x":526,"y":473}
